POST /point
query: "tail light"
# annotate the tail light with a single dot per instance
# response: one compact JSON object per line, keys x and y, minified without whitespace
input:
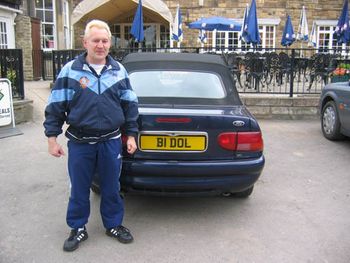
{"x":228,"y":140}
{"x":241,"y":141}
{"x":250,"y":141}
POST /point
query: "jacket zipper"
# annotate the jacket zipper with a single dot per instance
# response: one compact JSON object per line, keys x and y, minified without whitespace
{"x":98,"y":101}
{"x":99,"y":93}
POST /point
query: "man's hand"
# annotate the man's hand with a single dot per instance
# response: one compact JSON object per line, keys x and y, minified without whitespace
{"x":54,"y":148}
{"x":131,"y":145}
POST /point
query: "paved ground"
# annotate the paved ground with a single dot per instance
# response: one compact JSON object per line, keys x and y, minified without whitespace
{"x":299,"y":211}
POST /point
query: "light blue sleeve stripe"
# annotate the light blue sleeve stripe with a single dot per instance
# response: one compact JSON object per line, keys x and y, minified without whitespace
{"x":61,"y":95}
{"x":109,"y":79}
{"x":129,"y":95}
{"x":65,"y":70}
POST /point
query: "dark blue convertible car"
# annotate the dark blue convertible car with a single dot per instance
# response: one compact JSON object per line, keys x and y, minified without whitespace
{"x":196,"y":136}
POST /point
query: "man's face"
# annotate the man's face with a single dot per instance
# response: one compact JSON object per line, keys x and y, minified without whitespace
{"x":97,"y":45}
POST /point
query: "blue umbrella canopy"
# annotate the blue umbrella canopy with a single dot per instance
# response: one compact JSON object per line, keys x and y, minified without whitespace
{"x":252,"y":33}
{"x":137,"y":24}
{"x":215,"y":22}
{"x":288,"y":36}
{"x":342,"y":31}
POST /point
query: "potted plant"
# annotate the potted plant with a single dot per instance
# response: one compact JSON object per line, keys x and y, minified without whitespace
{"x":341,"y":73}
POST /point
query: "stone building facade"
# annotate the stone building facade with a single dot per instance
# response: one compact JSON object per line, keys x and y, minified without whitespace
{"x":61,"y":23}
{"x":40,"y":25}
{"x":271,"y":15}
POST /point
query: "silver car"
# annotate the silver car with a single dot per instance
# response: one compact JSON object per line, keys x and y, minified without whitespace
{"x":335,"y":110}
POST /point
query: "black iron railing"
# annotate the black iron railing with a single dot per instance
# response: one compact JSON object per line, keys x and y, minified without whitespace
{"x":270,"y":71}
{"x":11,"y":67}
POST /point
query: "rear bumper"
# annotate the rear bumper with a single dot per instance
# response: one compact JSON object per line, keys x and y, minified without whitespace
{"x":192,"y":177}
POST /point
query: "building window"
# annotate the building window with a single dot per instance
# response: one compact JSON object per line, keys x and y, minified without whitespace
{"x":269,"y":36}
{"x":129,"y":39}
{"x":45,"y":11}
{"x":156,"y":36}
{"x":326,"y":41}
{"x":116,"y":36}
{"x":230,"y":41}
{"x":164,"y":37}
{"x":233,"y":40}
{"x":3,"y":36}
{"x":209,"y":41}
{"x":150,"y":40}
{"x":66,"y":26}
{"x":220,"y":40}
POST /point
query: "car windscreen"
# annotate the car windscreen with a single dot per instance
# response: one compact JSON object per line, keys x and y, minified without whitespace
{"x":177,"y":84}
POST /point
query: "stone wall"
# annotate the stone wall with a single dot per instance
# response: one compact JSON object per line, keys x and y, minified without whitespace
{"x":78,"y":35}
{"x":281,"y":107}
{"x":23,"y":110}
{"x":24,"y":41}
{"x":315,"y":9}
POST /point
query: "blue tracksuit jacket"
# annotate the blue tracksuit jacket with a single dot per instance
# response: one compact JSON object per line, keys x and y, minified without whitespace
{"x":95,"y":107}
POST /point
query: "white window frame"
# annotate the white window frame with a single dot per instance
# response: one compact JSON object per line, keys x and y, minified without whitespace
{"x":263,"y":23}
{"x":332,"y":25}
{"x":53,"y":23}
{"x":4,"y":37}
{"x":262,"y":31}
{"x":122,"y":32}
{"x":66,"y":25}
{"x":7,"y":16}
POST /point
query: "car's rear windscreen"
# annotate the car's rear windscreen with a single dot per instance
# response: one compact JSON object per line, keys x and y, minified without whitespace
{"x":177,"y":84}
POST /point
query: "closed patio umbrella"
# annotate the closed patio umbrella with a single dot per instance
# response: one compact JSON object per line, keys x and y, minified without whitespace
{"x":137,"y":24}
{"x":177,"y":26}
{"x":288,"y":36}
{"x":244,"y":24}
{"x":253,"y":35}
{"x":303,"y":31}
{"x":342,"y":31}
{"x":313,"y":36}
{"x":202,"y":36}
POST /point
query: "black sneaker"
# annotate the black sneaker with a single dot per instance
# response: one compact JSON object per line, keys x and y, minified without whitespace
{"x":75,"y":237}
{"x":121,"y":233}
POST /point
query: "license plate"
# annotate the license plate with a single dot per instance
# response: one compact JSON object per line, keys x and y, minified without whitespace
{"x":183,"y":143}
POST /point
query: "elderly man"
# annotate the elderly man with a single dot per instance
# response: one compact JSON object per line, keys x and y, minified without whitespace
{"x":92,"y":94}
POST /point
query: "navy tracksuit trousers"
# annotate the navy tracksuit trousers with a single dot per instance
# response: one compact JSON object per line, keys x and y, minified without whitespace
{"x":84,"y":160}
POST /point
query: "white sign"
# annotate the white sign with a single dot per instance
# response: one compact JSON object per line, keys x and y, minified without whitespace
{"x":6,"y":108}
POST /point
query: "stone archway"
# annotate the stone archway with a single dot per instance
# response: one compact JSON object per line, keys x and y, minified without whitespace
{"x":118,"y":11}
{"x":109,"y":9}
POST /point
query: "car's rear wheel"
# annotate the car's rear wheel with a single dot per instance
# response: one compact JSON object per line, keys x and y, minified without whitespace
{"x":330,"y":123}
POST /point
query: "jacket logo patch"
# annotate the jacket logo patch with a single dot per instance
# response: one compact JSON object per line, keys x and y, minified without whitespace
{"x":84,"y":82}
